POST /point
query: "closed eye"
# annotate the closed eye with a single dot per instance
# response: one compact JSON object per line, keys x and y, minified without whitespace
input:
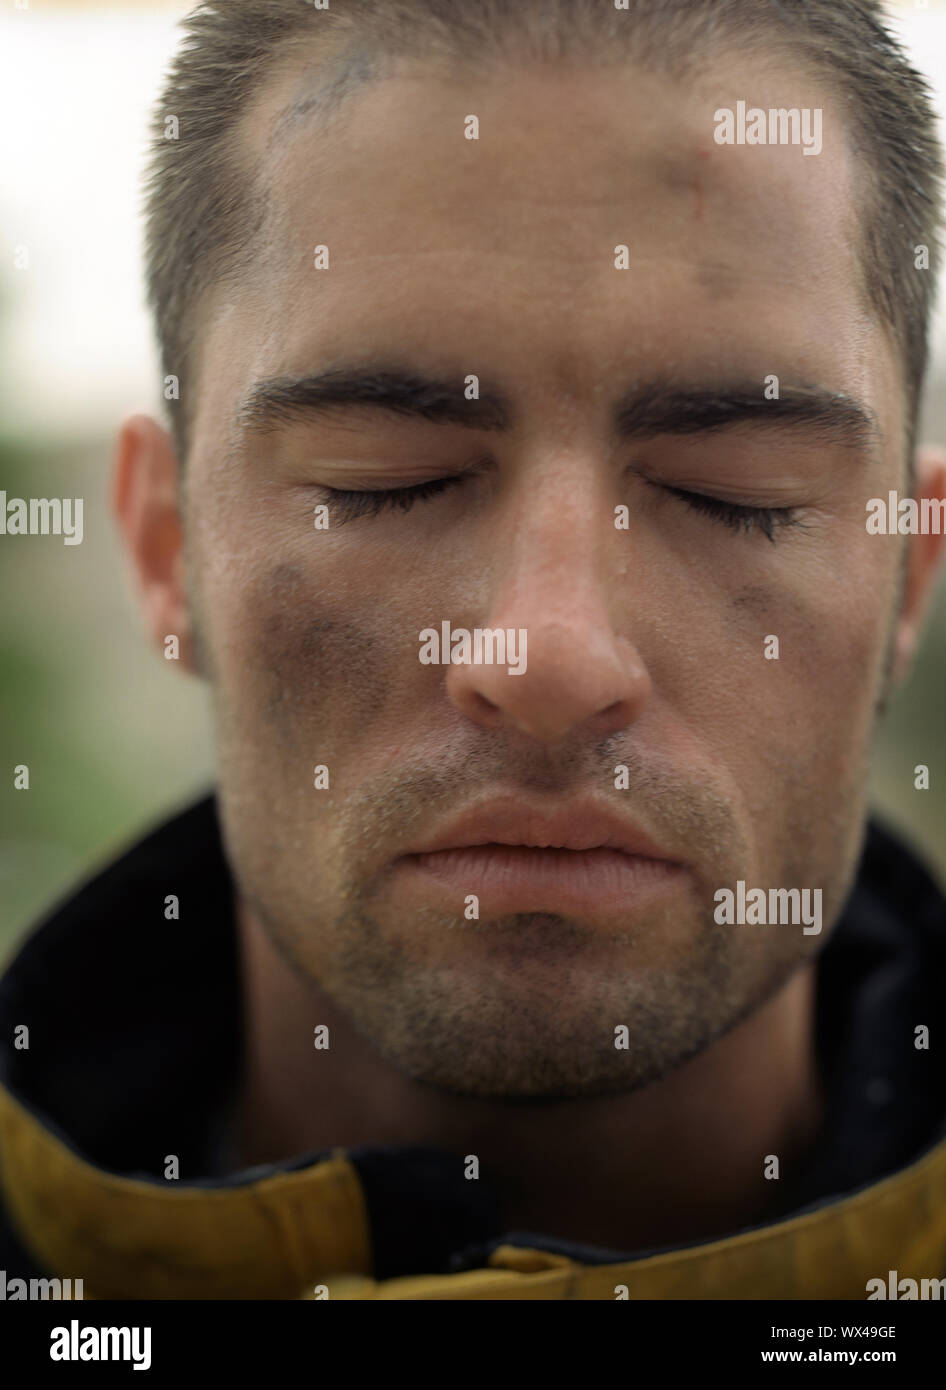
{"x":739,"y":516}
{"x":346,"y":506}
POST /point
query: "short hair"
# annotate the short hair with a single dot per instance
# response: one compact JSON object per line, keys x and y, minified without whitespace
{"x":205,"y":204}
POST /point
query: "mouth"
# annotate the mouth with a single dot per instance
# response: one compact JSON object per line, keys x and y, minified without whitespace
{"x":579,"y":860}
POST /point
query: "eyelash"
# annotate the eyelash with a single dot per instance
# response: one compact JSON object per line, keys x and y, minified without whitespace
{"x":738,"y":517}
{"x":373,"y":501}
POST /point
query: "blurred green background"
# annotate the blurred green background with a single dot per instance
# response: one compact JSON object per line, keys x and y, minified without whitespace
{"x":111,"y":732}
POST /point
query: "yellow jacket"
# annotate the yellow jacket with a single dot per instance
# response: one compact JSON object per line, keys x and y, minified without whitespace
{"x":133,"y":1055}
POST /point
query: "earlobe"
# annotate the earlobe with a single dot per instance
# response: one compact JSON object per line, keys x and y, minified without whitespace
{"x":145,"y":501}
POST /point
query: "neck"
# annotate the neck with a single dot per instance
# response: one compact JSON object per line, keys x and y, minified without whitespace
{"x":683,"y":1159}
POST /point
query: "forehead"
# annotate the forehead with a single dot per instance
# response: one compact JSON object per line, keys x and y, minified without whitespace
{"x":502,"y":249}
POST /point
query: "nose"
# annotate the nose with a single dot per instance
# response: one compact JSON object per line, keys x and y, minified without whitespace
{"x":558,"y":587}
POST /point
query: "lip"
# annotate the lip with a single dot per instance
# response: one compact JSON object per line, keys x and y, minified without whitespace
{"x":580,"y":860}
{"x":581,"y":825}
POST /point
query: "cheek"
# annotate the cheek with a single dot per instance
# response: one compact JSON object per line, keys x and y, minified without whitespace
{"x":815,"y":642}
{"x":806,"y":715}
{"x":302,"y":665}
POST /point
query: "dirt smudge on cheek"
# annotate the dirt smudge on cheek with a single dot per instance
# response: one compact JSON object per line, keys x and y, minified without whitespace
{"x":317,"y":667}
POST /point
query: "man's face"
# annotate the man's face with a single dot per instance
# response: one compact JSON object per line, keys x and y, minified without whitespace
{"x":646,"y":642}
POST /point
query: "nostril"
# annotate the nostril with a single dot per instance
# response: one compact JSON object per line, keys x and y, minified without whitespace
{"x":483,"y":706}
{"x":476,"y":706}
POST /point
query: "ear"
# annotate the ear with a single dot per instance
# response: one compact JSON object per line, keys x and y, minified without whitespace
{"x":923,"y":560}
{"x":145,"y":501}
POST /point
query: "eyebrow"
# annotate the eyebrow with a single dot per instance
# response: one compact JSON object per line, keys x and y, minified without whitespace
{"x":663,"y":408}
{"x":648,"y":410}
{"x":442,"y":402}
